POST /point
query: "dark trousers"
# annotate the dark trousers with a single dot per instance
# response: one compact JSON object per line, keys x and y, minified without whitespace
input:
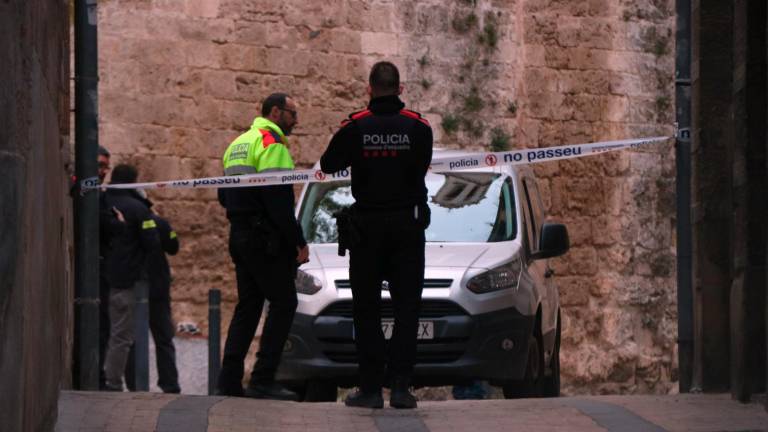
{"x":162,"y":329}
{"x":103,"y":320}
{"x":260,"y":277}
{"x":391,"y":249}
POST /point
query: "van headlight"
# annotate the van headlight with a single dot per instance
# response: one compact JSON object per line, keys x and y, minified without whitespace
{"x":307,"y":283}
{"x":503,"y":277}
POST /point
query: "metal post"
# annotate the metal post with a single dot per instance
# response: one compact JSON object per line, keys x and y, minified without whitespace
{"x":141,"y":339}
{"x":214,"y":339}
{"x":683,"y":189}
{"x":86,"y":205}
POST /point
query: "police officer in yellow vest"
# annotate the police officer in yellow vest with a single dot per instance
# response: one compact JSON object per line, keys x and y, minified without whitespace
{"x":266,"y":245}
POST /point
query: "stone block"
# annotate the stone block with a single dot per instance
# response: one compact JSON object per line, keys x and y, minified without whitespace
{"x":536,"y":55}
{"x":277,"y":61}
{"x":120,"y":76}
{"x":329,"y":66}
{"x":379,"y":43}
{"x":344,"y":41}
{"x":376,"y":17}
{"x":217,"y":141}
{"x":299,"y":13}
{"x":163,"y":52}
{"x":577,"y":132}
{"x":580,"y":231}
{"x":574,"y":291}
{"x":642,"y":110}
{"x":616,"y":109}
{"x":199,"y":54}
{"x":548,"y":105}
{"x":240,"y":57}
{"x":626,"y":84}
{"x":588,"y":58}
{"x":558,"y":8}
{"x":529,"y":137}
{"x":250,"y":87}
{"x":586,"y":195}
{"x":619,"y":258}
{"x":252,"y":10}
{"x":597,"y":82}
{"x":583,"y":261}
{"x":235,"y":115}
{"x":540,"y":29}
{"x":583,"y":107}
{"x":247,"y":33}
{"x":541,"y":80}
{"x":203,"y":9}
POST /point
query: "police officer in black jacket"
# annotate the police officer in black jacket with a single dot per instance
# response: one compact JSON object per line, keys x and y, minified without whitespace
{"x":160,"y":319}
{"x":126,"y":270}
{"x":389,"y":149}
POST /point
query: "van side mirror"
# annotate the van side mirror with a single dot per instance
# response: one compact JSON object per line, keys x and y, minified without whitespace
{"x":553,"y":241}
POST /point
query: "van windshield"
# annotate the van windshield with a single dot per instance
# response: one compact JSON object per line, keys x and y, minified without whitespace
{"x":466,"y":207}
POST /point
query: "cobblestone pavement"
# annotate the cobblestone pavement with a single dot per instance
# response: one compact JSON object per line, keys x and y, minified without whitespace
{"x":142,"y":412}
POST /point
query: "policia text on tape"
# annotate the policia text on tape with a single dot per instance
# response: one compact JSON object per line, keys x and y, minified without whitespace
{"x":469,"y":161}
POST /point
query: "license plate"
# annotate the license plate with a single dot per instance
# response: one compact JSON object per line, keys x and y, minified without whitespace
{"x":426,"y":329}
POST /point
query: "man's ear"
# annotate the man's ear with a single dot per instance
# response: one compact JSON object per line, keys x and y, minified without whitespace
{"x":369,"y":90}
{"x":400,"y":89}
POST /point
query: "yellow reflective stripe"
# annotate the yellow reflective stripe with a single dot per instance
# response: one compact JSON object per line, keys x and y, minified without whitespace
{"x":173,"y":234}
{"x":148,"y":224}
{"x":239,"y":169}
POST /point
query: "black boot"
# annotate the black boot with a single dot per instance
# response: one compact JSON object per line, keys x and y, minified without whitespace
{"x":401,"y":397}
{"x":270,"y":390}
{"x":364,"y":400}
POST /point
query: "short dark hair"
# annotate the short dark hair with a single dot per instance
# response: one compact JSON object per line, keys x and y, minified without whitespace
{"x":103,"y":151}
{"x":124,"y":173}
{"x":273,"y":100}
{"x":384,"y":78}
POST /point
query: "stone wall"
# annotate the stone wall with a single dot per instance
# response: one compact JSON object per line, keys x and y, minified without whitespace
{"x":35,"y":233}
{"x":181,"y":79}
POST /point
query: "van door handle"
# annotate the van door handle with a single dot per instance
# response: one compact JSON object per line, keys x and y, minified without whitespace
{"x":549,"y":273}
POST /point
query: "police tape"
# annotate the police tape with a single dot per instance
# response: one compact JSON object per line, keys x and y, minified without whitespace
{"x":447,"y":164}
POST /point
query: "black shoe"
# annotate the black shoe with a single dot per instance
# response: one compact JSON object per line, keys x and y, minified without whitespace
{"x":364,"y":400}
{"x":111,"y":388}
{"x":230,"y":391}
{"x":401,"y":397}
{"x":271,"y":390}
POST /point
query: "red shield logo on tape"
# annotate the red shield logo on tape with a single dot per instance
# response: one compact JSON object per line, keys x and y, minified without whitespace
{"x":162,"y":185}
{"x":319,"y":175}
{"x":491,"y":160}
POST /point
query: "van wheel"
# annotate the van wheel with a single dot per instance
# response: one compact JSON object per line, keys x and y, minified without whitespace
{"x":551,"y":384}
{"x":530,"y":385}
{"x":319,"y":391}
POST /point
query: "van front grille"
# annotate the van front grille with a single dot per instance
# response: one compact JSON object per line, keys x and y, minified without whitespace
{"x":429,"y":309}
{"x":428,"y":283}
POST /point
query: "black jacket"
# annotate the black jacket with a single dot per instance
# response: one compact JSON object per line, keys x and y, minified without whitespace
{"x":275,"y":204}
{"x":109,"y":226}
{"x":389,"y":149}
{"x":130,"y":249}
{"x":159,"y":271}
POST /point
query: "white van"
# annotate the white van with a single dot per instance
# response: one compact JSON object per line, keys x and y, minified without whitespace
{"x":490,"y":309}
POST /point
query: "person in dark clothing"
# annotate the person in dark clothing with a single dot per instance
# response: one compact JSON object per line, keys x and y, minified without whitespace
{"x":160,"y":318}
{"x":266,"y":245}
{"x":111,"y":222}
{"x":126,"y":271}
{"x":389,"y":149}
